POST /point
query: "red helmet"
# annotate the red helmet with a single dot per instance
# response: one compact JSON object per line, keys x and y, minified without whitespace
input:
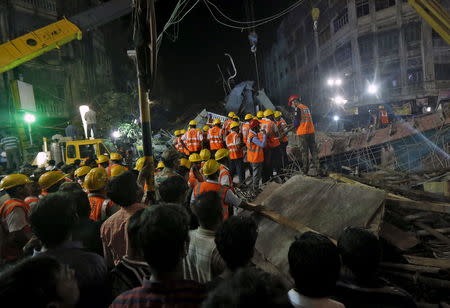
{"x":292,"y":98}
{"x":253,"y":123}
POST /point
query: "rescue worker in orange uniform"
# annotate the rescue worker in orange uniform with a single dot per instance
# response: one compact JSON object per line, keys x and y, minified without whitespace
{"x":306,"y":132}
{"x":102,"y":161}
{"x":14,"y":217}
{"x":81,"y":173}
{"x":234,"y":143}
{"x":51,"y":181}
{"x":205,"y":155}
{"x":225,"y":177}
{"x":116,"y":160}
{"x":34,"y":191}
{"x":272,"y":154}
{"x":283,"y":130}
{"x":195,"y":174}
{"x":184,"y":168}
{"x":260,"y":115}
{"x":227,"y":123}
{"x":246,"y":126}
{"x":101,"y":206}
{"x":178,"y":144}
{"x":205,"y":130}
{"x":193,"y":138}
{"x":256,"y":142}
{"x":383,"y":116}
{"x":229,"y":199}
{"x":215,"y":137}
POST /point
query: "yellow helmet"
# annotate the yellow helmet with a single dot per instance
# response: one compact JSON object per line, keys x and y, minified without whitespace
{"x":205,"y":128}
{"x":210,"y":167}
{"x":185,"y":163}
{"x":139,"y":164}
{"x":116,"y":156}
{"x":117,"y":170}
{"x":102,"y":159}
{"x":177,"y":133}
{"x":82,"y":171}
{"x":96,"y":179}
{"x":268,"y":112}
{"x":50,"y":178}
{"x":216,"y":122}
{"x":183,"y":131}
{"x":160,"y":165}
{"x":260,"y":114}
{"x":231,"y":114}
{"x":248,"y":116}
{"x":195,"y":158}
{"x":193,"y":123}
{"x":205,"y":154}
{"x":236,"y":118}
{"x":13,"y":180}
{"x":277,"y":114}
{"x":234,"y":124}
{"x":221,"y":154}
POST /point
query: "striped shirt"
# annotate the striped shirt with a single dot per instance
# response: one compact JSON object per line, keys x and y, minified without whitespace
{"x":169,"y":294}
{"x":10,"y":143}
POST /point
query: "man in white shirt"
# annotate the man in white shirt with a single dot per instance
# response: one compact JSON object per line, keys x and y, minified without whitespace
{"x":91,"y":120}
{"x":314,"y":264}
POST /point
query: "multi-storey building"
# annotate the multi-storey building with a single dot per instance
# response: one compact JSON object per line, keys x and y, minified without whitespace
{"x":361,"y":42}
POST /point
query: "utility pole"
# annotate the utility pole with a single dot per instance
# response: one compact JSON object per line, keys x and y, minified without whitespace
{"x":146,"y":52}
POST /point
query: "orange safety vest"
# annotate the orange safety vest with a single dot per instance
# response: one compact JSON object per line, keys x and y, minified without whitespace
{"x":233,"y":142}
{"x":226,"y":125}
{"x":255,"y":154}
{"x":224,"y":172}
{"x":192,"y":181}
{"x":100,"y":207}
{"x":282,"y":125}
{"x":8,"y":252}
{"x":193,"y":140}
{"x":179,"y":146}
{"x":203,"y":187}
{"x":306,"y":124}
{"x":31,"y":201}
{"x":269,"y":127}
{"x":215,"y":137}
{"x":384,"y":118}
{"x":245,"y":129}
{"x":43,"y":194}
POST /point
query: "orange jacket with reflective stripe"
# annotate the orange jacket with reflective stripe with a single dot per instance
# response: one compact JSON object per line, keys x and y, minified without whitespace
{"x":11,"y":204}
{"x":31,"y":201}
{"x":179,"y":146}
{"x":306,"y":124}
{"x":215,"y":137}
{"x":100,"y":207}
{"x":384,"y":118}
{"x":255,"y":153}
{"x":203,"y":187}
{"x":233,"y":142}
{"x":282,"y":126}
{"x":193,"y":180}
{"x":226,"y":125}
{"x":269,"y":127}
{"x":193,"y":140}
{"x":225,"y":175}
{"x":245,"y":129}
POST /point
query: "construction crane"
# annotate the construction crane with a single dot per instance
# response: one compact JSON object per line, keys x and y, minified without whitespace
{"x":435,"y":15}
{"x":53,"y":36}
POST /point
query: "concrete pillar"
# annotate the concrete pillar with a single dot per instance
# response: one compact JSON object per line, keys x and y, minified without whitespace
{"x":402,"y":50}
{"x":373,"y":24}
{"x":426,"y":46}
{"x":356,"y":60}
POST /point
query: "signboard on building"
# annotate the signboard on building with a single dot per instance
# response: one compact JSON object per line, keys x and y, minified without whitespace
{"x":402,"y":109}
{"x":23,"y":95}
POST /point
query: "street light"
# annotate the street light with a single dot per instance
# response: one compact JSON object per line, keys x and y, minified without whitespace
{"x":331,"y":82}
{"x":372,"y":88}
{"x":83,"y":109}
{"x":29,"y":118}
{"x":338,"y":82}
{"x":336,"y":118}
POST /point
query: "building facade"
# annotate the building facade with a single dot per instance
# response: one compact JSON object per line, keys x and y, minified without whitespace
{"x":361,"y":42}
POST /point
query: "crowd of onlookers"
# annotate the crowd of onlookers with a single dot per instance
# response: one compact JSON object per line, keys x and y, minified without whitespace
{"x":179,"y":253}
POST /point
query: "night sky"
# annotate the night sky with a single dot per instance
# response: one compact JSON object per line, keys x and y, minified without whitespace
{"x":187,"y":68}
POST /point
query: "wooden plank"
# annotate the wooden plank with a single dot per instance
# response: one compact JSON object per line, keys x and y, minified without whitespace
{"x":433,"y":232}
{"x":441,"y":263}
{"x":397,"y":237}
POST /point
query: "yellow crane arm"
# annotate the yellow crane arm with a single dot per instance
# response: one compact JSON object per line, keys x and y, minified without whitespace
{"x":35,"y":43}
{"x":435,"y":15}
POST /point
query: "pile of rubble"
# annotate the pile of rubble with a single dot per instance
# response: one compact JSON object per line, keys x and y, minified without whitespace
{"x":412,"y":224}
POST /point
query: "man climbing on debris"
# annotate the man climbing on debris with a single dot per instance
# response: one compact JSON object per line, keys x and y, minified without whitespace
{"x":234,"y":145}
{"x":272,"y":157}
{"x":215,"y":137}
{"x":306,"y":132}
{"x":227,"y":123}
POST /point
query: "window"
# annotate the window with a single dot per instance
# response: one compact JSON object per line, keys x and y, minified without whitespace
{"x":442,"y":71}
{"x":87,"y":150}
{"x":341,"y":19}
{"x":362,"y":8}
{"x":71,"y":153}
{"x":412,"y":34}
{"x":324,"y":35}
{"x":388,"y":43}
{"x":383,"y":4}
{"x":103,"y":150}
{"x":414,"y":75}
{"x":366,"y":47}
{"x":343,"y":55}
